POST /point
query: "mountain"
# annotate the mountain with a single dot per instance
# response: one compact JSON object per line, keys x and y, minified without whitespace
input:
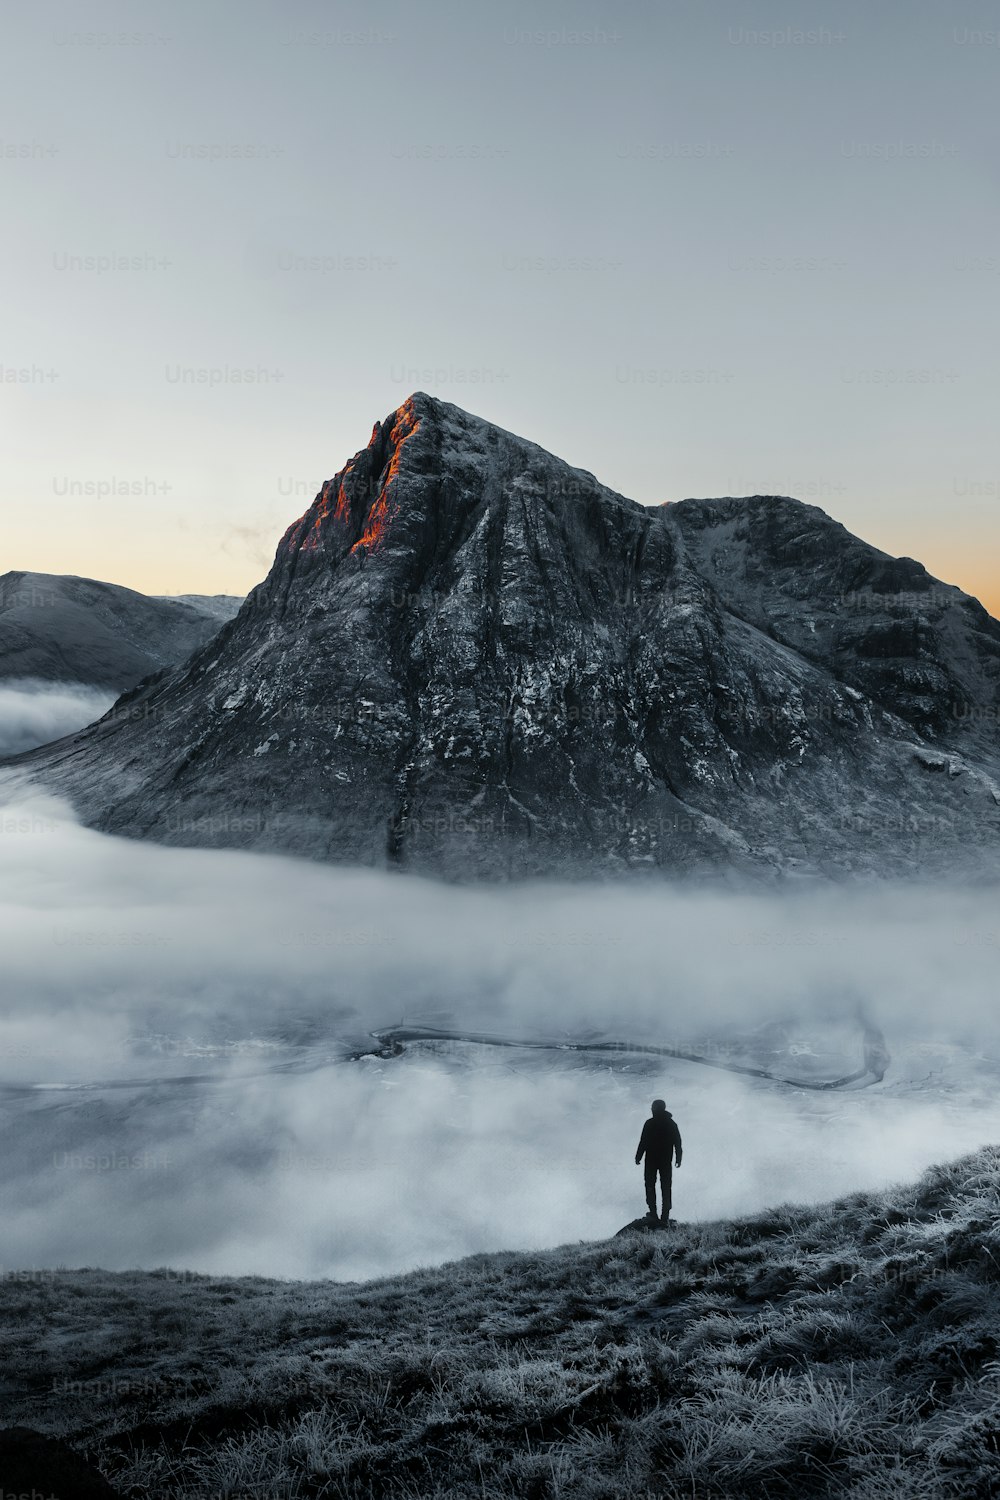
{"x":470,"y":659}
{"x":61,"y":629}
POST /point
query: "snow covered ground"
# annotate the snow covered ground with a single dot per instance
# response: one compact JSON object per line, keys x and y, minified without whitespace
{"x":188,"y":1074}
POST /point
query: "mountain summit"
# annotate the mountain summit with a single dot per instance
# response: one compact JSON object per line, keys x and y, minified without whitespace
{"x":470,"y":659}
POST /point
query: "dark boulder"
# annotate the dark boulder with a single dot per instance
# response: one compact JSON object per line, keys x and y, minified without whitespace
{"x":34,"y":1464}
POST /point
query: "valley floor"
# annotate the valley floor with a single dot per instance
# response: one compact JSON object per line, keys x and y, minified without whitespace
{"x":847,"y":1350}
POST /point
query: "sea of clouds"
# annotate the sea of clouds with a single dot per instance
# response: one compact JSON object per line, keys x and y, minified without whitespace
{"x":192,"y":1015}
{"x":33,"y":713}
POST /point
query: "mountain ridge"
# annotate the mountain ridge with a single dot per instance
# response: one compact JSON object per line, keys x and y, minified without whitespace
{"x":62,"y":627}
{"x":471,"y":659}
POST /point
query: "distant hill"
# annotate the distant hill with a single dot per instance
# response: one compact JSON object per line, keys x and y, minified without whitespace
{"x":57,"y":628}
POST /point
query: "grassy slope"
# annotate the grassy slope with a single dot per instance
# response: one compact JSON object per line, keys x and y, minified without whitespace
{"x":850,"y":1349}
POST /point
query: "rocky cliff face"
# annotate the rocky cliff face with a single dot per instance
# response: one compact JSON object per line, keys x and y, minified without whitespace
{"x":470,"y":659}
{"x":57,"y":628}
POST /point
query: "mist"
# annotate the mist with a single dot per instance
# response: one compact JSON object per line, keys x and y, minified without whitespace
{"x":33,"y":713}
{"x":181,"y":1084}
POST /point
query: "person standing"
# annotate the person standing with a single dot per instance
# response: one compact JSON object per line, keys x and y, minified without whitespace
{"x":660,"y":1144}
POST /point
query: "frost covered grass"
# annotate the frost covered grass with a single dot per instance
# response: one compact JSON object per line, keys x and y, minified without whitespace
{"x":851,"y":1349}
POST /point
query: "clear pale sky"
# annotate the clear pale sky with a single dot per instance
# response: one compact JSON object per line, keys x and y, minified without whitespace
{"x":699,"y":247}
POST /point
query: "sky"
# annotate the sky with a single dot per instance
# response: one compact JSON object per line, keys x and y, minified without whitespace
{"x":206,"y":1001}
{"x":696,"y":247}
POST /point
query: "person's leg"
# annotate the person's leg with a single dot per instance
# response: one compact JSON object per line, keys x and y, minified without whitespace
{"x":650,"y":1177}
{"x":666,"y":1184}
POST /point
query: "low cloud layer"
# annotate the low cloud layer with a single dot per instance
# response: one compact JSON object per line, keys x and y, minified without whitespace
{"x":202,"y":1006}
{"x":33,"y":713}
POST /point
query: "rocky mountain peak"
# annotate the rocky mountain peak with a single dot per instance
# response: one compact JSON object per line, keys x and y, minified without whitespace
{"x":354,"y":509}
{"x":471,"y":658}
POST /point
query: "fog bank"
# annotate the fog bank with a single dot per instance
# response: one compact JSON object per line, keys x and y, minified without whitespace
{"x":33,"y":713}
{"x":200,"y":1008}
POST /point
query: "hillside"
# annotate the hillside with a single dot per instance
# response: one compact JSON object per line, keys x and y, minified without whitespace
{"x":60,"y":629}
{"x":847,"y":1350}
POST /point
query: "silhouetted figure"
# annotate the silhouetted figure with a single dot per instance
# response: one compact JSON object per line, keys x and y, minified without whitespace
{"x":660,"y":1144}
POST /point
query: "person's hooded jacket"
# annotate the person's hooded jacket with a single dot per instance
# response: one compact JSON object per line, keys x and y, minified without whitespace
{"x":660,"y":1141}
